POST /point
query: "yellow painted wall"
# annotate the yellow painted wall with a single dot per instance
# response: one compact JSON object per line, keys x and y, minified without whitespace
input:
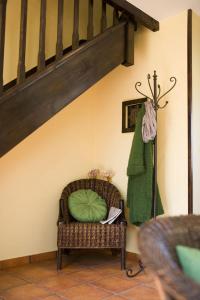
{"x":33,"y":21}
{"x":33,"y":175}
{"x":166,"y":52}
{"x":196,"y":110}
{"x":87,"y":134}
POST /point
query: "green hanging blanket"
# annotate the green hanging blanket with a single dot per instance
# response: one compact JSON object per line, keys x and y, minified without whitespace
{"x":140,"y":177}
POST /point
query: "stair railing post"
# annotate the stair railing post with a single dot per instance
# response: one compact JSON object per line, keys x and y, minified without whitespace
{"x":75,"y":36}
{"x":2,"y":39}
{"x":103,"y":17}
{"x":22,"y":43}
{"x":90,"y":28}
{"x":59,"y":45}
{"x":41,"y":54}
{"x":115,"y":16}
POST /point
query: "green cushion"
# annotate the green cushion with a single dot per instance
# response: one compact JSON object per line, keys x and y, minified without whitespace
{"x":190,"y":261}
{"x":87,"y":206}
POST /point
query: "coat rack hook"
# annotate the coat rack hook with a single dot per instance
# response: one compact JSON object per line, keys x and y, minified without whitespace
{"x":172,"y":79}
{"x":136,"y":87}
{"x":159,"y":90}
{"x":148,"y":78}
{"x":161,"y":107}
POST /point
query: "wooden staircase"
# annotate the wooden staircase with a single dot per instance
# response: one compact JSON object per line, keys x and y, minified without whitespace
{"x":38,"y":94}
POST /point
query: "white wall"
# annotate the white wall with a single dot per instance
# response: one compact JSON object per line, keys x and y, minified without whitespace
{"x":196,"y":110}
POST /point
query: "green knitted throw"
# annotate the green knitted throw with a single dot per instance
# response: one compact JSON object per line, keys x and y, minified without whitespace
{"x":140,"y":177}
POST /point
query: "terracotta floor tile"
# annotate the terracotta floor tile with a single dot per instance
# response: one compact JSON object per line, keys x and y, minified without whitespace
{"x":70,"y":268}
{"x":59,"y":282}
{"x":109,"y":269}
{"x":144,"y":277}
{"x":115,"y":297}
{"x":88,"y":275}
{"x":53,"y":297}
{"x":85,"y":292}
{"x":140,"y":278}
{"x":141,"y":292}
{"x":25,"y":292}
{"x":33,"y":273}
{"x":8,"y":281}
{"x":115,"y":284}
{"x":84,"y":276}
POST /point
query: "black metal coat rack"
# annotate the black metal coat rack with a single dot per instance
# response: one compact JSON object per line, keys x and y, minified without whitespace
{"x":155,"y":100}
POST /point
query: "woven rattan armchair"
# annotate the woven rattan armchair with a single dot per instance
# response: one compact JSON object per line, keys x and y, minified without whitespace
{"x":75,"y":235}
{"x":157,"y":242}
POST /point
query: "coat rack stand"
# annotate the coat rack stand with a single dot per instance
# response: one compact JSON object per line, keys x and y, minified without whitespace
{"x":155,"y":100}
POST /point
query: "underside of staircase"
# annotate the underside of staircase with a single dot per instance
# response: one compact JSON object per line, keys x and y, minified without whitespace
{"x":38,"y":94}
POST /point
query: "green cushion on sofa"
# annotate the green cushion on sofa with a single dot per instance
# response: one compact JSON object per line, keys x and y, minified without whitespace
{"x":190,"y":261}
{"x":87,"y":206}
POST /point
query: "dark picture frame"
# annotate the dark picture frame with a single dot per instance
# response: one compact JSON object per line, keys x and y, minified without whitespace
{"x":129,"y":113}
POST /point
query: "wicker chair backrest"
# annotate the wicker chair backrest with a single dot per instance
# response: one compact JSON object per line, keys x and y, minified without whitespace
{"x":104,"y":188}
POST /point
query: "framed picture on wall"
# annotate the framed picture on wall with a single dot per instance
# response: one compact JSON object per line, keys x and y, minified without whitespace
{"x":129,"y":113}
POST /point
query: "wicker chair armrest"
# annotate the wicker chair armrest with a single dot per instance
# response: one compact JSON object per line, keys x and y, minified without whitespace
{"x":63,"y":216}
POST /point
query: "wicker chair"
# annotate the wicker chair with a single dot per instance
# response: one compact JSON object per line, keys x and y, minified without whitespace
{"x":157,"y":242}
{"x":75,"y":235}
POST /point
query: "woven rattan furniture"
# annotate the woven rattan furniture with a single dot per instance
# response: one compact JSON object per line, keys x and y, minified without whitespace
{"x":157,"y":242}
{"x":75,"y":235}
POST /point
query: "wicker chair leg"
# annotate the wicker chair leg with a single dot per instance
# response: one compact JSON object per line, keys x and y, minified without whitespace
{"x":123,"y":259}
{"x":59,"y":259}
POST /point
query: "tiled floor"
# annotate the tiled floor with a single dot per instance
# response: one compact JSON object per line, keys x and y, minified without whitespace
{"x":85,"y":276}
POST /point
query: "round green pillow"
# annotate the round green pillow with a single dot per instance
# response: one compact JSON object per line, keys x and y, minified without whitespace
{"x":87,"y":206}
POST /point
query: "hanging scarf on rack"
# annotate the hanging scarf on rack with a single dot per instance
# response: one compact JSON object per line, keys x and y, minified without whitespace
{"x":140,"y":177}
{"x":149,"y":126}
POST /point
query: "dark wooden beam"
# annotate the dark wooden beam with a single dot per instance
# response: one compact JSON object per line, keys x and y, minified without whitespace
{"x":137,"y":14}
{"x":26,"y":107}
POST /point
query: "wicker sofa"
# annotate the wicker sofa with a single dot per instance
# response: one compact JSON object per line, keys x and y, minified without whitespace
{"x":75,"y":235}
{"x":157,"y":241}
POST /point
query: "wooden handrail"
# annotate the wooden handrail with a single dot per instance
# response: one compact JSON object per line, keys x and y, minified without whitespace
{"x":137,"y":14}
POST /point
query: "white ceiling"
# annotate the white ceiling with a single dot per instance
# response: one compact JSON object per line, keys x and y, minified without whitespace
{"x":161,"y":9}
